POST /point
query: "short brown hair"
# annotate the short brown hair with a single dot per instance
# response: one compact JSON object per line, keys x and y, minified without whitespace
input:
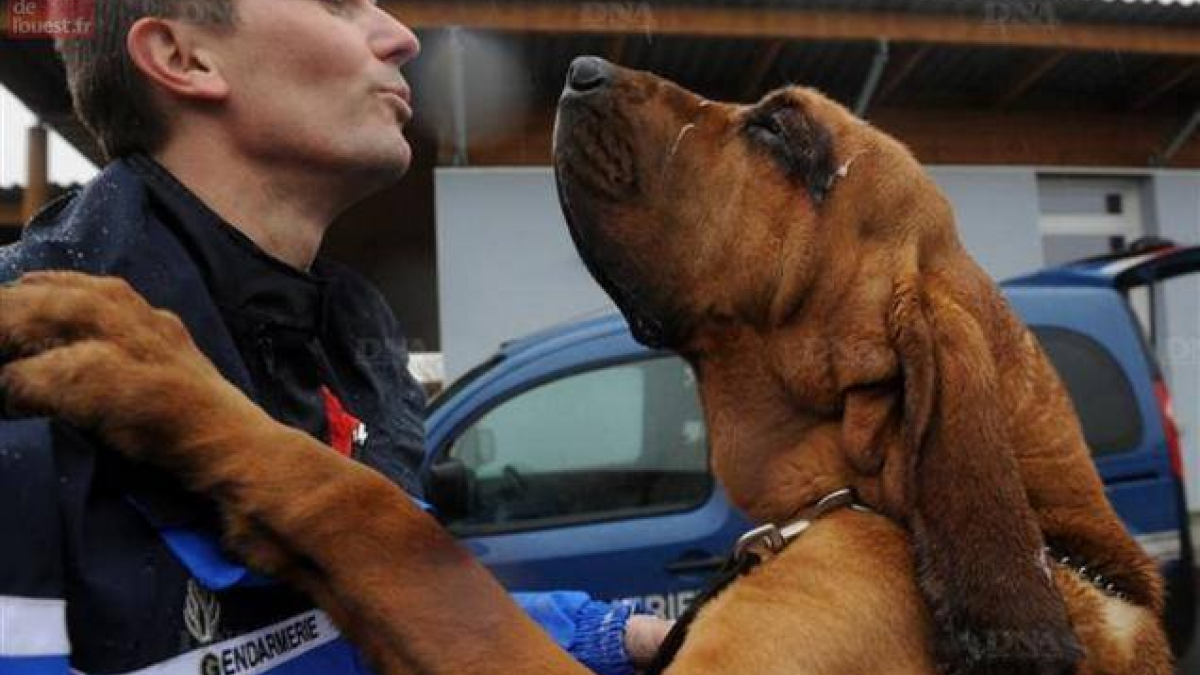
{"x":111,"y":97}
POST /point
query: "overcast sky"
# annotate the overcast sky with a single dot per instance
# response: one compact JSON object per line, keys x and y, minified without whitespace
{"x":66,"y":165}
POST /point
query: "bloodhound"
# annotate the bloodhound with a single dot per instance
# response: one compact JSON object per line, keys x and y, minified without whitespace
{"x":809,"y":270}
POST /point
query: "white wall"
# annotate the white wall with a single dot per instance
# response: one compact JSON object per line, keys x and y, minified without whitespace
{"x":997,"y":214}
{"x":1175,"y":204}
{"x":506,"y":264}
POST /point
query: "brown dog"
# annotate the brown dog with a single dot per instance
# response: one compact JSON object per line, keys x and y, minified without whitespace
{"x":809,"y":270}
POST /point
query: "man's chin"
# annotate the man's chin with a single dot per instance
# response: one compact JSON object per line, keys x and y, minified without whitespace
{"x":394,"y":153}
{"x":402,"y":159}
{"x":384,"y":162}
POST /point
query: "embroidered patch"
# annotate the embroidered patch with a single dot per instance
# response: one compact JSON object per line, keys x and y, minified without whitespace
{"x":201,"y":613}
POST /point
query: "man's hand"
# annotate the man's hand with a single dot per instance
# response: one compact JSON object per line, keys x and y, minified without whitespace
{"x":643,"y":635}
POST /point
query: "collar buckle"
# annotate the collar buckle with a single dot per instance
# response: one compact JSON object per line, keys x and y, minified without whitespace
{"x":769,"y":539}
{"x":766,"y":537}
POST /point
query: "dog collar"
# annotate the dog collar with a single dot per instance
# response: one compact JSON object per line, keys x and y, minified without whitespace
{"x":767,"y":540}
{"x":751,"y":550}
{"x":1079,"y":567}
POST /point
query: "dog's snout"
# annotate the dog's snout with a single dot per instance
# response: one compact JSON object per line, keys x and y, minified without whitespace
{"x":588,"y":73}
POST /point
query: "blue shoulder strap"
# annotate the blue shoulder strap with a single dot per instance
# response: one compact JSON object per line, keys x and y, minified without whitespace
{"x":201,"y":553}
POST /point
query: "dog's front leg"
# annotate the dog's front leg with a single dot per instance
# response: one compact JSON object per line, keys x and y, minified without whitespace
{"x":92,"y":352}
{"x":390,"y":576}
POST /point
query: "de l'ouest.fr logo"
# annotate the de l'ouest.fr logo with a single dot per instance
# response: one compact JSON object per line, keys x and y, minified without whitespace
{"x":48,"y":19}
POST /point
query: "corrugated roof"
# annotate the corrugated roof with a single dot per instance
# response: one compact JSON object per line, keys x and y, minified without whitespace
{"x":721,"y":67}
{"x":1155,"y":2}
{"x":947,"y":75}
{"x":1136,"y":12}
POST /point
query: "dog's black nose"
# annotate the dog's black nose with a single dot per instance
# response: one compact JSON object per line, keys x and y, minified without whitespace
{"x":588,"y":73}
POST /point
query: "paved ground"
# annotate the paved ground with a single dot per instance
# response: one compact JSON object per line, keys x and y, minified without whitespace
{"x":1190,"y":663}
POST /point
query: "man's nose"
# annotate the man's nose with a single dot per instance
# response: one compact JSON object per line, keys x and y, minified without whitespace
{"x":394,"y":41}
{"x":588,"y":73}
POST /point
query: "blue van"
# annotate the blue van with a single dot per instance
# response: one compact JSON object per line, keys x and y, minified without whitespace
{"x":577,"y":458}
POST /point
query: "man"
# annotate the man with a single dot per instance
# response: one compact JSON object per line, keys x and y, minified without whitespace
{"x":238,"y":130}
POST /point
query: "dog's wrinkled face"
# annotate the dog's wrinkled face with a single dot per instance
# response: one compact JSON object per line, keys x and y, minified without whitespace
{"x":672,"y":198}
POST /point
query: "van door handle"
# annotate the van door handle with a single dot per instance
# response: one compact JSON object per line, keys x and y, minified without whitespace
{"x":696,"y":562}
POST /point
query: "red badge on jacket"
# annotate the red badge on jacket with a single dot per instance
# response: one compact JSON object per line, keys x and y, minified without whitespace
{"x":342,"y":425}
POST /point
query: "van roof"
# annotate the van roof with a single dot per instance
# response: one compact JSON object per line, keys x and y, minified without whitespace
{"x":1148,"y":261}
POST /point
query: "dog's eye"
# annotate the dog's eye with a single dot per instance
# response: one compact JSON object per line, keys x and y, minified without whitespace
{"x":767,"y":128}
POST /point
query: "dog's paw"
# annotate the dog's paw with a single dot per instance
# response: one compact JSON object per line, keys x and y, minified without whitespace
{"x":91,"y":351}
{"x":44,"y":310}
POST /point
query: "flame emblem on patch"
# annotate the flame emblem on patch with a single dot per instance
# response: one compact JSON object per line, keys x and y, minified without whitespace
{"x":201,"y":613}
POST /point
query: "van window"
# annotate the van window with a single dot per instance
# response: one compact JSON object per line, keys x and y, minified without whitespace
{"x":614,"y":442}
{"x":1102,"y":394}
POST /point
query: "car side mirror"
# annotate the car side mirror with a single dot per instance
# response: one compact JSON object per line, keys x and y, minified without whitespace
{"x":450,"y":488}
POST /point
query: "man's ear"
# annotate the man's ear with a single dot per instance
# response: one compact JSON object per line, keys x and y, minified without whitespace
{"x":168,"y":53}
{"x":977,"y":545}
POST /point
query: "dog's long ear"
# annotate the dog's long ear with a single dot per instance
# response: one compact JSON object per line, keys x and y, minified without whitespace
{"x":978,"y":548}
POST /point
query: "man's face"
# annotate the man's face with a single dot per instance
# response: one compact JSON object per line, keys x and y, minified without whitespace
{"x":317,"y":83}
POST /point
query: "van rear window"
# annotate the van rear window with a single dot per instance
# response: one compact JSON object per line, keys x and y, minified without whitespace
{"x":1101,"y":392}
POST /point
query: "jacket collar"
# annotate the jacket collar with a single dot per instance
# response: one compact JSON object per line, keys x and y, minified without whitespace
{"x":240,"y":276}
